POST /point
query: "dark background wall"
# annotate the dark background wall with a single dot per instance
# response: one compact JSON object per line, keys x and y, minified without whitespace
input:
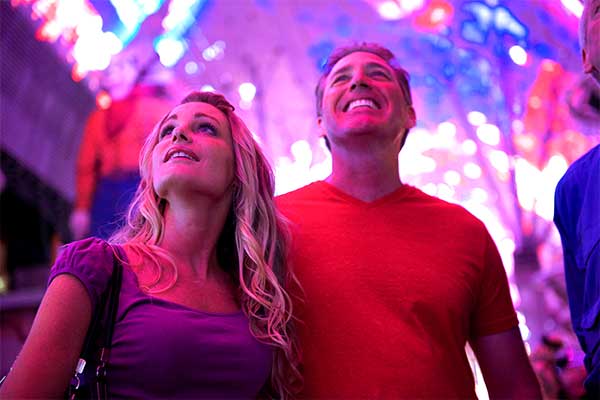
{"x":42,"y":113}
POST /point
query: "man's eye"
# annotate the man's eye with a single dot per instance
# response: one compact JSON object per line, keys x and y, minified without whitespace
{"x":380,"y":74}
{"x":340,"y":78}
{"x":167,"y":130}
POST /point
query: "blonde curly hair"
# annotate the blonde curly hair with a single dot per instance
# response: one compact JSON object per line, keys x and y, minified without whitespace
{"x":251,"y":247}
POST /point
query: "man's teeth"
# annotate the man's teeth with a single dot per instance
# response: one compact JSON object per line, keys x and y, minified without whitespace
{"x":362,"y":103}
{"x":180,"y":154}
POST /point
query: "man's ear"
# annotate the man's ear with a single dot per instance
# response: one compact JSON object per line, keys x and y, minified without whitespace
{"x":321,"y":126}
{"x":323,"y":132}
{"x":587,"y":63}
{"x":412,"y":116}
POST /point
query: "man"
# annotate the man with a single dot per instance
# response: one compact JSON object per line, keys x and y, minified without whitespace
{"x":577,"y":217}
{"x":395,"y":281}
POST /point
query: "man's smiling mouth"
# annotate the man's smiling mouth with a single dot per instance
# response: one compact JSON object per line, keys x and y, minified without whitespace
{"x":361,"y":103}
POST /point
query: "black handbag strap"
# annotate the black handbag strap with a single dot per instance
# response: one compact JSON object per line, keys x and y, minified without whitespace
{"x":111,"y":316}
{"x":100,"y":332}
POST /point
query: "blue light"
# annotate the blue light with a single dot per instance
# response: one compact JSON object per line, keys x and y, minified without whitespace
{"x":505,"y":21}
{"x":470,"y":31}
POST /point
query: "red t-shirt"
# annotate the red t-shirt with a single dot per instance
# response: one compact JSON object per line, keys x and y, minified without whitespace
{"x":393,"y":289}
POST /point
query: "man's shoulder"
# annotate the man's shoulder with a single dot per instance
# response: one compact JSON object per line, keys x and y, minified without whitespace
{"x":445,"y":212}
{"x":583,"y":170}
{"x":589,"y":163}
{"x":307,"y":192}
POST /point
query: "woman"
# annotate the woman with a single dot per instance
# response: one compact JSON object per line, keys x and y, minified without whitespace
{"x":203,"y":311}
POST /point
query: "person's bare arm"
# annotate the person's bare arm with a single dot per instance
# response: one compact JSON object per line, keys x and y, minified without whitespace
{"x":47,"y":361}
{"x":505,"y":366}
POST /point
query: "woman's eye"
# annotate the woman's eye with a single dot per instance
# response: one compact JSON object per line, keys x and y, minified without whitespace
{"x":205,"y":127}
{"x":167,"y":130}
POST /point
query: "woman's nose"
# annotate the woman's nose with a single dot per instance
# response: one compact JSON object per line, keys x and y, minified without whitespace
{"x":180,"y":135}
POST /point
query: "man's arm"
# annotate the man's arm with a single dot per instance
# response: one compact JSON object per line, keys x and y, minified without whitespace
{"x":505,"y":366}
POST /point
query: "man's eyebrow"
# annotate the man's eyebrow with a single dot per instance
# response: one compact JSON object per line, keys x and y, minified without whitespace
{"x":378,"y":65}
{"x":342,"y":70}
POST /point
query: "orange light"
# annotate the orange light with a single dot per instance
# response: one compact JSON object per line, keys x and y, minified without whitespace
{"x":77,"y":74}
{"x":103,"y":100}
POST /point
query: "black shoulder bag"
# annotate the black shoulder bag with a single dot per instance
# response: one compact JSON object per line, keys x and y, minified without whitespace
{"x":89,"y":381}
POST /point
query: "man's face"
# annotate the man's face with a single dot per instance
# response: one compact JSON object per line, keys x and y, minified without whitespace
{"x":361,"y":96}
{"x":591,"y":51}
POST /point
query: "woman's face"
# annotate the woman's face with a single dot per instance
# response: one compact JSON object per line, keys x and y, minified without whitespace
{"x":194,"y":153}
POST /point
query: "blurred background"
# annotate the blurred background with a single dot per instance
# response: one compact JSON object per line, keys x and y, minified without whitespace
{"x":503,"y":108}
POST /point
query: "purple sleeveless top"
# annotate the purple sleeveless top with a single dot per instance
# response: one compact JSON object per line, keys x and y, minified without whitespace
{"x":166,"y":350}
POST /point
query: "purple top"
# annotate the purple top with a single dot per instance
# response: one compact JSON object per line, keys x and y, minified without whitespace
{"x":166,"y":350}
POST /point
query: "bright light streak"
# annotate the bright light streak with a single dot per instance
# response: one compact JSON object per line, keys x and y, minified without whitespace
{"x":389,"y":10}
{"x":527,"y":178}
{"x":207,"y":88}
{"x":446,"y":192}
{"x":489,"y":134}
{"x":446,"y":129}
{"x":437,"y":15}
{"x":518,"y":55}
{"x":479,"y":195}
{"x":214,"y":51}
{"x":574,"y":6}
{"x":90,"y":25}
{"x":247,"y":91}
{"x":129,"y":13}
{"x":411,"y":5}
{"x":551,"y":174}
{"x":476,"y":118}
{"x":245,"y":105}
{"x":472,"y":170}
{"x":191,"y":67}
{"x":469,"y":147}
{"x":423,"y":165}
{"x":430,"y":188}
{"x":452,"y":178}
{"x":93,"y":52}
{"x":518,"y":126}
{"x":506,"y":247}
{"x":169,"y":51}
{"x":302,"y":153}
{"x":525,"y":332}
{"x":103,"y":100}
{"x":499,"y":160}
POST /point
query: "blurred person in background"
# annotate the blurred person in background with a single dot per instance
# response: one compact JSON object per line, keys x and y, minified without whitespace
{"x":577,"y":217}
{"x":106,"y":171}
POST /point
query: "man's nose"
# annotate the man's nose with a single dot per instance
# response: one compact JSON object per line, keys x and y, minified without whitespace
{"x":359,"y":80}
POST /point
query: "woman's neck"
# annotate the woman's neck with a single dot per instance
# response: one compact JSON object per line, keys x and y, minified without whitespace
{"x":192,"y":229}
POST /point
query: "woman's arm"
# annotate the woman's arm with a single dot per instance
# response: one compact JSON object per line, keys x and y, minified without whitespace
{"x":47,"y":361}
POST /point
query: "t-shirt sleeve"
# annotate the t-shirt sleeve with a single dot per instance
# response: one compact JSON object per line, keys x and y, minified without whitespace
{"x":90,"y":261}
{"x":494,"y":311}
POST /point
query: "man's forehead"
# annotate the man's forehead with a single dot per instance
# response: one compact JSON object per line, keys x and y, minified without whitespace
{"x":359,"y":58}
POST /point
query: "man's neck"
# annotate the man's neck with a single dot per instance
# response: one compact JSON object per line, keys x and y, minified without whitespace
{"x":366,"y":176}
